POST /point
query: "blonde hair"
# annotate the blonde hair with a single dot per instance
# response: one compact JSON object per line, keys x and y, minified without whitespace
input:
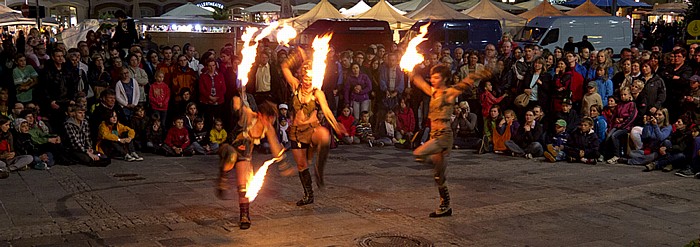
{"x":393,"y":118}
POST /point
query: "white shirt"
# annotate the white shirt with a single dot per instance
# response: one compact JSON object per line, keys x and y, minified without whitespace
{"x":262,"y":78}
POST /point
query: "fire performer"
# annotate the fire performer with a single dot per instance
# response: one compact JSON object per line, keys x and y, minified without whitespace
{"x":442,"y":102}
{"x":251,"y":128}
{"x":305,"y":133}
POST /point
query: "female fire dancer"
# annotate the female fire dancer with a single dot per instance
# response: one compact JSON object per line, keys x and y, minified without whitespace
{"x":252,"y":127}
{"x":305,"y":133}
{"x":442,"y":102}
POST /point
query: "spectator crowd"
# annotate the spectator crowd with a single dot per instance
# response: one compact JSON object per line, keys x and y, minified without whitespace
{"x":116,"y":97}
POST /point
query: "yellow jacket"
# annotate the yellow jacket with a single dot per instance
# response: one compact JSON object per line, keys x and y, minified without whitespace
{"x":217,"y":137}
{"x":104,"y":133}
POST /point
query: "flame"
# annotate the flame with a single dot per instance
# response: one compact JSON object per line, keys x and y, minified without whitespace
{"x":250,"y":50}
{"x":285,"y":34}
{"x":321,"y":48}
{"x":411,"y":57}
{"x":255,"y":184}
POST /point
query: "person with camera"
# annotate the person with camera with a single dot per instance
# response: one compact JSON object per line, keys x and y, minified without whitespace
{"x":656,"y":130}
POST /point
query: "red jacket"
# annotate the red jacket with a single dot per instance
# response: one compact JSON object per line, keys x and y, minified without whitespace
{"x":205,"y":88}
{"x":159,"y":94}
{"x":405,"y":120}
{"x":178,"y":138}
{"x":576,"y":86}
{"x":349,"y":124}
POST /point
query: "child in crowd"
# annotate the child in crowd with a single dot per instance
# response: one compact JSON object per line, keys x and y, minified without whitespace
{"x":405,"y":121}
{"x":200,"y":137}
{"x":604,"y":86}
{"x":387,"y":134}
{"x":591,"y":98}
{"x":489,"y":127}
{"x":348,"y":121}
{"x":191,"y":113}
{"x":620,"y":124}
{"x":507,"y":127}
{"x":488,"y":99}
{"x":569,"y":115}
{"x":583,"y":144}
{"x":217,"y":135}
{"x":600,"y":125}
{"x":139,"y":123}
{"x":609,"y":109}
{"x":159,"y":96}
{"x":363,"y":129}
{"x":283,"y":135}
{"x":154,"y":135}
{"x":284,"y":110}
{"x":117,"y":140}
{"x":10,"y":160}
{"x":25,"y":146}
{"x":177,"y":141}
{"x":555,"y":149}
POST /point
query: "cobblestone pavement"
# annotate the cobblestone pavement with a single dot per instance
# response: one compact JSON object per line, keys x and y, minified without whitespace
{"x":374,"y":196}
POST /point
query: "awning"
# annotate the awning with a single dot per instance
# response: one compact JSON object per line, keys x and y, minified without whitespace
{"x":608,"y":3}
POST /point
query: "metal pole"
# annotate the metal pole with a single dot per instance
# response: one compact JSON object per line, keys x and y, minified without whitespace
{"x":38,"y":17}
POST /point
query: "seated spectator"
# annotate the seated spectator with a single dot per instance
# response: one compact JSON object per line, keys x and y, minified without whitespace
{"x":117,"y":140}
{"x":139,"y":123}
{"x":180,"y":107}
{"x":405,"y":121}
{"x":101,"y":112}
{"x":583,"y":145}
{"x":159,"y":96}
{"x":490,"y":123}
{"x":679,"y":148}
{"x":620,"y":124}
{"x":283,"y":136}
{"x":25,"y":146}
{"x":154,"y":136}
{"x":217,"y":135}
{"x":691,"y":99}
{"x":363,"y":129}
{"x":464,"y":128}
{"x":79,"y":143}
{"x":348,"y":121}
{"x":177,"y":141}
{"x":526,"y":142}
{"x":507,"y":127}
{"x":10,"y":159}
{"x":387,"y":134}
{"x":127,"y":93}
{"x":569,"y":115}
{"x":191,"y":113}
{"x":656,"y":129}
{"x":600,"y":125}
{"x":556,"y":146}
{"x":200,"y":137}
{"x":694,"y":167}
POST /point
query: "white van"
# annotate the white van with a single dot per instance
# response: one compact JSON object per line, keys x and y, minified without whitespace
{"x":552,"y":31}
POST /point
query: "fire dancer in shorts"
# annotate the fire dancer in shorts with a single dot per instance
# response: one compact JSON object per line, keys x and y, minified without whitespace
{"x":305,"y":133}
{"x":442,"y":103}
{"x":251,"y":128}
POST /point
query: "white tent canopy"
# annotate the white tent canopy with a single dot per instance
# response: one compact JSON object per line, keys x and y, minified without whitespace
{"x":263,"y":7}
{"x":486,"y":9}
{"x":358,"y":9}
{"x":382,"y":11}
{"x":188,"y":10}
{"x":436,"y":10}
{"x":534,"y":3}
{"x":73,"y":35}
{"x":417,"y":4}
{"x":322,"y":10}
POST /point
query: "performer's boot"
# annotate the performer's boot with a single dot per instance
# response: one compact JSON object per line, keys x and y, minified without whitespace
{"x":244,"y":206}
{"x":444,"y":209}
{"x":321,"y":164}
{"x":305,"y":177}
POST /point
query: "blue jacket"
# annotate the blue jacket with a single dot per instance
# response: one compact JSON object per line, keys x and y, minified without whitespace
{"x":605,"y":89}
{"x":384,"y":79}
{"x":581,"y":70}
{"x":600,"y":126}
{"x":653,"y":136}
{"x":590,"y":75}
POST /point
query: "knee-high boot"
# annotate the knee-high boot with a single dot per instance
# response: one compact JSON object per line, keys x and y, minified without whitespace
{"x":305,"y":177}
{"x":321,"y":164}
{"x":244,"y":206}
{"x":226,"y":163}
{"x":444,"y":209}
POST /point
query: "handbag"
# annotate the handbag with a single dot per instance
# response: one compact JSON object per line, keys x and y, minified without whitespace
{"x":522,"y":100}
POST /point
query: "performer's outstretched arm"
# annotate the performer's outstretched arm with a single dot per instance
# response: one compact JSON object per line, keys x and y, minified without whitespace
{"x":294,"y":60}
{"x":420,"y":83}
{"x":467,"y":83}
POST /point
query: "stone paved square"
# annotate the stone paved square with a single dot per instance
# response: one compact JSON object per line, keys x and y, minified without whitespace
{"x":372,"y":194}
